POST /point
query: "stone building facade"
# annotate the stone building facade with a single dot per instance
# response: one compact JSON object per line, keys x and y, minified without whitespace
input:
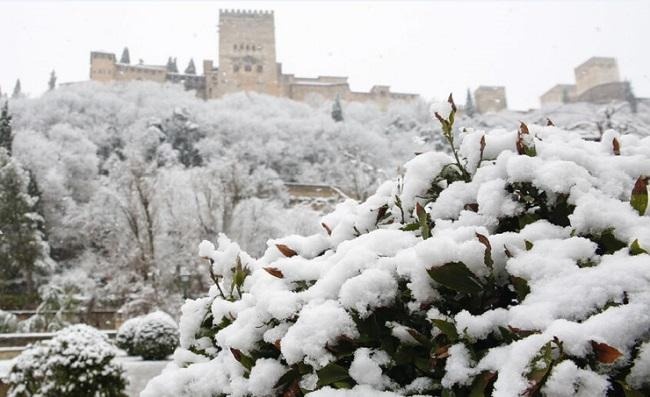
{"x":247,"y":62}
{"x":490,"y":99}
{"x":597,"y":81}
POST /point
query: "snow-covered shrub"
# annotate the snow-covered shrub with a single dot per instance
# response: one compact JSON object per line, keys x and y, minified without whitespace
{"x":76,"y":362}
{"x":156,"y":336}
{"x":517,"y":267}
{"x":125,"y":337}
{"x":8,"y":322}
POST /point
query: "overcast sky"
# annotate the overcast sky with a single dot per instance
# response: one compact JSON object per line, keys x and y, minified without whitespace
{"x":426,"y":47}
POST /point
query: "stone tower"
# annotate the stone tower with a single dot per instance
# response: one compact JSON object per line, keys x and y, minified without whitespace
{"x":596,"y":71}
{"x":247,"y":60}
{"x":490,"y":98}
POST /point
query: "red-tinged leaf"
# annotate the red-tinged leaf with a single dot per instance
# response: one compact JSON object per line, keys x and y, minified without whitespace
{"x":522,"y":147}
{"x":293,"y":390}
{"x":616,"y":146}
{"x":482,"y":147}
{"x":236,"y":353}
{"x":442,"y":352}
{"x":327,"y":229}
{"x":286,"y":251}
{"x":639,"y":199}
{"x":278,"y":344}
{"x":488,"y":249}
{"x":523,"y":128}
{"x":274,"y":271}
{"x":419,"y":210}
{"x":605,"y":353}
{"x":381,"y":212}
{"x":549,"y":123}
{"x":507,"y":251}
{"x":451,"y":101}
{"x":471,"y":207}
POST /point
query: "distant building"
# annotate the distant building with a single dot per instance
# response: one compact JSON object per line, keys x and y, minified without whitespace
{"x":597,"y":81}
{"x":318,"y":197}
{"x":247,"y":62}
{"x":490,"y":99}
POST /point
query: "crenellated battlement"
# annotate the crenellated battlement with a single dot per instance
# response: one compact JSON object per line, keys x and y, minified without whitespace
{"x":246,"y":13}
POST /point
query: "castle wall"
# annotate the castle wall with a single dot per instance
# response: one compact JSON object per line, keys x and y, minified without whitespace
{"x":490,"y":99}
{"x":594,"y":72}
{"x":560,"y":93}
{"x":140,"y":72}
{"x":247,"y":60}
{"x":300,"y":91}
{"x":605,"y":93}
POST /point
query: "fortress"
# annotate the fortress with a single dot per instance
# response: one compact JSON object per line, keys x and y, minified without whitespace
{"x":247,"y":62}
{"x":597,"y":81}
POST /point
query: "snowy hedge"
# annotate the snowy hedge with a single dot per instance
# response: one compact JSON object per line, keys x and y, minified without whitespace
{"x":125,"y":337}
{"x":76,"y":362}
{"x":8,"y":322}
{"x":155,"y":337}
{"x":518,"y":266}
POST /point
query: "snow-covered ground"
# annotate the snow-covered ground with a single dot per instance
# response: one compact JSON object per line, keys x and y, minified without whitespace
{"x":138,"y":372}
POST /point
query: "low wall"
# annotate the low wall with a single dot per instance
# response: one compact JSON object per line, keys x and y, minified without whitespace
{"x":100,"y":319}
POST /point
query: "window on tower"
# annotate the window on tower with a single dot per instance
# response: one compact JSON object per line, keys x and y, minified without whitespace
{"x":259,"y":68}
{"x":248,"y":68}
{"x":235,"y":68}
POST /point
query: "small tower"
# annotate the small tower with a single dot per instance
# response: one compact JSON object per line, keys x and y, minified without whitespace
{"x":247,"y":60}
{"x":102,"y":66}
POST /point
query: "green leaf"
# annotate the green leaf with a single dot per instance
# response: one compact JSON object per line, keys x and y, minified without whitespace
{"x":541,"y":367}
{"x":639,"y":198}
{"x":287,"y":378}
{"x":456,"y":276}
{"x":410,"y":227}
{"x":628,"y":391}
{"x":330,"y":374}
{"x":423,"y":220}
{"x":635,"y":248}
{"x":481,"y":382}
{"x":246,"y":361}
{"x":447,"y":328}
{"x":529,"y":245}
{"x":521,"y":287}
{"x":423,"y":340}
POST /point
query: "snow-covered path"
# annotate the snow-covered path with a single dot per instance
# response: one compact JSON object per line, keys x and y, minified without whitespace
{"x":138,"y":372}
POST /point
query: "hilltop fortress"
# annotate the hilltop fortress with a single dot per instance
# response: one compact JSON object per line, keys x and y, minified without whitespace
{"x":247,"y":62}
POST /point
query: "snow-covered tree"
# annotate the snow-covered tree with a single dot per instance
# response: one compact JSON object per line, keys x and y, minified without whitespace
{"x":18,"y":92}
{"x":190,"y":69}
{"x":469,"y":108}
{"x":6,"y":136}
{"x":51,"y":83}
{"x":24,"y":255}
{"x":126,"y":57}
{"x":337,"y":110}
